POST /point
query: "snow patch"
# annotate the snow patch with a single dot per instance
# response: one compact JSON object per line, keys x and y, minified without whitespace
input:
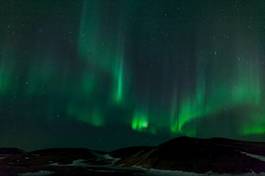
{"x":258,"y":157}
{"x":79,"y":163}
{"x":38,"y":173}
{"x":158,"y":172}
{"x":76,"y":163}
{"x":109,"y":157}
{"x":56,"y":164}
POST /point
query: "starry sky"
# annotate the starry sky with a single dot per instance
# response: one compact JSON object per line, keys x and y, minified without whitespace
{"x":105,"y":74}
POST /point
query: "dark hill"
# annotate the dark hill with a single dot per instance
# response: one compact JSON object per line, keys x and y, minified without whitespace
{"x":216,"y":155}
{"x":201,"y":155}
{"x":10,"y":151}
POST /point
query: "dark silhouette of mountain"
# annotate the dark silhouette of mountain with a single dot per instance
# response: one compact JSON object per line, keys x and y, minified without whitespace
{"x":200,"y":155}
{"x":11,"y":151}
{"x":124,"y":153}
{"x":216,"y":155}
{"x":67,"y":155}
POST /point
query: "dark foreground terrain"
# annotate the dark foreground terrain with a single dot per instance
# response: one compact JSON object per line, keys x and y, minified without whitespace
{"x":180,"y":157}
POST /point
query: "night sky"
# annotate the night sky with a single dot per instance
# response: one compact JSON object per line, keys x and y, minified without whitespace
{"x":106,"y":74}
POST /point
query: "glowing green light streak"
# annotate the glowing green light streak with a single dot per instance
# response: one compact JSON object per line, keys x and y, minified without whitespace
{"x":253,"y":123}
{"x":242,"y":87}
{"x":254,"y":130}
{"x":247,"y":86}
{"x":120,"y":86}
{"x":174,"y":125}
{"x":139,"y":121}
{"x":119,"y":83}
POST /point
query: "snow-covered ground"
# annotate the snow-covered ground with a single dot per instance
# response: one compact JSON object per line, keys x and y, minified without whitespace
{"x":76,"y":163}
{"x":38,"y":173}
{"x":156,"y":172}
{"x":143,"y":171}
{"x":258,"y":157}
{"x":147,"y":172}
{"x":109,"y":157}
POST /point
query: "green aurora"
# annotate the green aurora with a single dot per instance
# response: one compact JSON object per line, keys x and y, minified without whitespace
{"x":153,"y":67}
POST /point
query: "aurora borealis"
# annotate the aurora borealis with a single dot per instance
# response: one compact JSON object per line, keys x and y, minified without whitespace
{"x":128,"y":72}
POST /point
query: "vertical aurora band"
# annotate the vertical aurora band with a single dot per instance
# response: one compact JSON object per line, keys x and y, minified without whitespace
{"x":210,"y":93}
{"x":128,"y":55}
